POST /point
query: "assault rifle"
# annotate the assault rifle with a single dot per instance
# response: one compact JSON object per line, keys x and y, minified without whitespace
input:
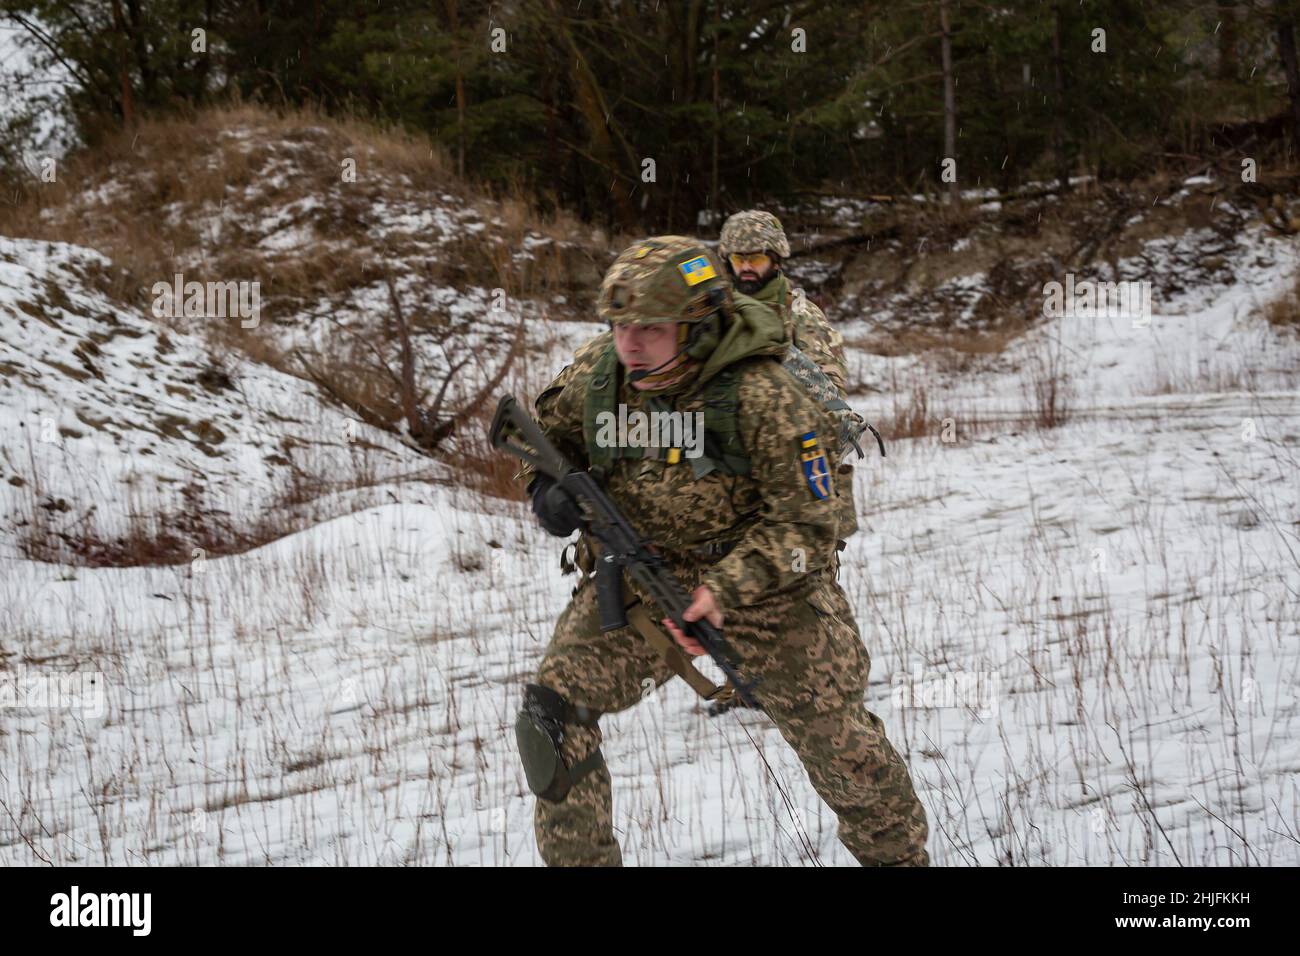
{"x":621,"y":547}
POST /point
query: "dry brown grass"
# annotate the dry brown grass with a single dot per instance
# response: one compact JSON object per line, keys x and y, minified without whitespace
{"x":227,"y":157}
{"x":1046,"y":384}
{"x":198,"y":527}
{"x":915,"y":411}
{"x":188,"y":162}
{"x":918,"y":414}
{"x":1284,"y":311}
{"x":909,"y":419}
{"x":957,"y":346}
{"x":492,"y":474}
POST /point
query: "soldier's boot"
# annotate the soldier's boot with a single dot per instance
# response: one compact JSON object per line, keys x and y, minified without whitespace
{"x":862,"y":778}
{"x":560,"y":746}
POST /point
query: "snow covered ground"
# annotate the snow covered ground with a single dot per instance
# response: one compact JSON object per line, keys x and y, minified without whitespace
{"x":109,"y":414}
{"x":1084,"y":641}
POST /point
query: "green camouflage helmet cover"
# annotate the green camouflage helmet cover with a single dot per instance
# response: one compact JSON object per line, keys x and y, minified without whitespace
{"x":662,"y":279}
{"x":753,"y":231}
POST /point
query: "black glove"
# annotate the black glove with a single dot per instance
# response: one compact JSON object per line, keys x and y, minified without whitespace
{"x":555,"y":508}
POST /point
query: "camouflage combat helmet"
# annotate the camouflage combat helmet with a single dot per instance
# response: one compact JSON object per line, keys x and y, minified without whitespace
{"x":662,"y":279}
{"x":753,"y":231}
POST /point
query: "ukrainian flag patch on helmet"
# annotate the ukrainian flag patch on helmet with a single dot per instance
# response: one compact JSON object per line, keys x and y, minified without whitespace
{"x":696,"y":270}
{"x":816,"y":470}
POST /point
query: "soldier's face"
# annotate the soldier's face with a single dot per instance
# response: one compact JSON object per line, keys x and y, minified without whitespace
{"x":646,"y":347}
{"x":751,"y":269}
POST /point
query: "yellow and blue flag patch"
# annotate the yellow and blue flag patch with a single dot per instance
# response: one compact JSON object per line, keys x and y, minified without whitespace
{"x":696,"y":270}
{"x":816,"y":470}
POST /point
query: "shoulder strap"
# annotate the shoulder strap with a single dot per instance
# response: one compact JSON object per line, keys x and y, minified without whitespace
{"x":723,"y":449}
{"x":602,"y":395}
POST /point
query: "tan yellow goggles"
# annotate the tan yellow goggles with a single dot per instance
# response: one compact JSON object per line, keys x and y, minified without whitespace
{"x":758,"y":261}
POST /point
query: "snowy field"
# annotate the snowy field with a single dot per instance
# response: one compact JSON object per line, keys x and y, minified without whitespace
{"x":1084,"y":642}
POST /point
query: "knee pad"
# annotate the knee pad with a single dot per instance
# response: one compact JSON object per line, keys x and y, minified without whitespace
{"x":539,"y":732}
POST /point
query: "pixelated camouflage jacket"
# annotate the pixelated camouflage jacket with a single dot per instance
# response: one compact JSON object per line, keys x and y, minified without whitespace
{"x":782,"y":534}
{"x":808,"y":328}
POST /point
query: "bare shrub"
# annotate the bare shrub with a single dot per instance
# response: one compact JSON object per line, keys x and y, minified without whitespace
{"x":909,"y":420}
{"x":394,"y":398}
{"x":1045,"y":382}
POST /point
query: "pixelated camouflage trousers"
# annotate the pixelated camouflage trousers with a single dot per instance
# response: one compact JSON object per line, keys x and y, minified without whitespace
{"x":811,"y":670}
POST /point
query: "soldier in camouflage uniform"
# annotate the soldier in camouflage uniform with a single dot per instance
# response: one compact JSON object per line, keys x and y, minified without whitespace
{"x":753,"y":245}
{"x":745,"y":236}
{"x":754,"y":547}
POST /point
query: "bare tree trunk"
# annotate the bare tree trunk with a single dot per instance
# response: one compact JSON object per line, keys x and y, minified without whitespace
{"x":1058,"y":114}
{"x":690,"y":94}
{"x":1227,"y":40}
{"x":124,"y":66}
{"x":714,"y":208}
{"x":1286,"y":46}
{"x":691,"y":50}
{"x":184,"y":52}
{"x":307,"y":54}
{"x":552,"y":147}
{"x":949,"y":96}
{"x":454,"y":20}
{"x":603,"y":138}
{"x":135,"y":23}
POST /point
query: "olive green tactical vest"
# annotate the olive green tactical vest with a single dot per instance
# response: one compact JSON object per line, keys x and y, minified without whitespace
{"x":723,"y":451}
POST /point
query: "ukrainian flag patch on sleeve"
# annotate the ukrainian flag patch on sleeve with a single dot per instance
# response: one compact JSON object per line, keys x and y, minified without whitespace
{"x":696,"y":270}
{"x":816,"y":470}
